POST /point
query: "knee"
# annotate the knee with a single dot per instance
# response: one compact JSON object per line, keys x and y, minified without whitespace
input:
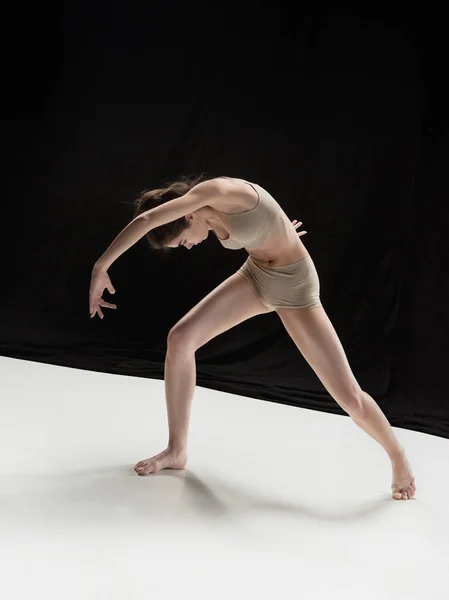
{"x":180,"y":341}
{"x":353,"y":403}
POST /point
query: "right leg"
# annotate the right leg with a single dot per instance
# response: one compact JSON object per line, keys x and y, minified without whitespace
{"x":230,"y":303}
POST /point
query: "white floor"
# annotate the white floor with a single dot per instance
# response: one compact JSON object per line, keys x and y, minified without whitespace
{"x":276,"y":501}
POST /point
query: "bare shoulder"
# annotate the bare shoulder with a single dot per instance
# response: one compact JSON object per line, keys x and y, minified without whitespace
{"x":227,"y":194}
{"x":211,"y":189}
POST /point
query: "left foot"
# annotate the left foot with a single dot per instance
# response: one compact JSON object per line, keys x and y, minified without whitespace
{"x":403,"y":486}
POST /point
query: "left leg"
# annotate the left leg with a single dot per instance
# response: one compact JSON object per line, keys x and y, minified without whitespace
{"x":317,"y":340}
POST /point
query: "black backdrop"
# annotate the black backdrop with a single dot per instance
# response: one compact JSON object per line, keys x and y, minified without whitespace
{"x":340,"y":115}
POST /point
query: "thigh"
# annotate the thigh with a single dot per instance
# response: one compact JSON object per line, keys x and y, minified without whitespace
{"x":317,"y":340}
{"x":230,"y":303}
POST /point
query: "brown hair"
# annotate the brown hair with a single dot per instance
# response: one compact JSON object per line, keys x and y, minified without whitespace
{"x":164,"y":234}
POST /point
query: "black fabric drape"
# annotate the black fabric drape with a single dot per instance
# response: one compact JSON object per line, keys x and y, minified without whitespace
{"x":339,"y":115}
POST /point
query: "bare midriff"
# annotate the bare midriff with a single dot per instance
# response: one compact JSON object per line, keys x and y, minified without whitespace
{"x":281,"y":248}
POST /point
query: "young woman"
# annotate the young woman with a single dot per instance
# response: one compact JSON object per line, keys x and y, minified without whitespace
{"x":279,"y":275}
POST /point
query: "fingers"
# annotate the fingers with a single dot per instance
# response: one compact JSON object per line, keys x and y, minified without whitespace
{"x":298,"y":224}
{"x":93,"y":311}
{"x":107,"y":304}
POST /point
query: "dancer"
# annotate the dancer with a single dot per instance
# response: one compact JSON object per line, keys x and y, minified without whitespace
{"x":279,"y":275}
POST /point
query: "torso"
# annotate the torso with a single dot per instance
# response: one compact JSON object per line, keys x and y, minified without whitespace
{"x":282,"y":247}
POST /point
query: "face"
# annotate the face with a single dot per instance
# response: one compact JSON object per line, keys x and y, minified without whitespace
{"x":196,"y":232}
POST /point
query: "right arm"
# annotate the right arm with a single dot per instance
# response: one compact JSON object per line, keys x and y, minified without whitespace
{"x":205,"y":193}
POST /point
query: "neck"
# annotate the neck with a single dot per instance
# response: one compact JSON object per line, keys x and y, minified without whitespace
{"x":213,"y":218}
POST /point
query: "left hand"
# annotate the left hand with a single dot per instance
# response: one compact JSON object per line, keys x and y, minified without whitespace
{"x":99,"y":282}
{"x":298,"y":224}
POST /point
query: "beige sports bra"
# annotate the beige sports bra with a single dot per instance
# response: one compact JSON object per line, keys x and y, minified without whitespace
{"x":249,"y":229}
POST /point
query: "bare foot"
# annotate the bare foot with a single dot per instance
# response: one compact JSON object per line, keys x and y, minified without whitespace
{"x":168,"y":459}
{"x":403,"y":486}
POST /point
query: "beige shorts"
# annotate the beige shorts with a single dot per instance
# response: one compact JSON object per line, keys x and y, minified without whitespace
{"x":294,"y":286}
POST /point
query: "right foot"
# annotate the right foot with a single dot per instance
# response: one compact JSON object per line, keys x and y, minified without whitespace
{"x":168,"y":459}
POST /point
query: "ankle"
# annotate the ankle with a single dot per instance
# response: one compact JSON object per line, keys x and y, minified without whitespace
{"x":177,"y":448}
{"x":398,"y":455}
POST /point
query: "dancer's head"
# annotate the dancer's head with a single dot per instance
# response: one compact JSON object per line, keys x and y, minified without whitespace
{"x":185,"y":231}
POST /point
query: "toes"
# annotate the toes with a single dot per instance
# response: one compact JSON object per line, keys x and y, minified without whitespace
{"x":140,"y":468}
{"x":404,"y":494}
{"x":400,"y":494}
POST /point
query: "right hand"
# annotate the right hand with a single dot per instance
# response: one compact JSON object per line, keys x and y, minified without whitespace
{"x":99,"y":282}
{"x":298,"y":224}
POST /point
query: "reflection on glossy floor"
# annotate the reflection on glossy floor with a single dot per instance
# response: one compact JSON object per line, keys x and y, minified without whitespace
{"x":275,"y":502}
